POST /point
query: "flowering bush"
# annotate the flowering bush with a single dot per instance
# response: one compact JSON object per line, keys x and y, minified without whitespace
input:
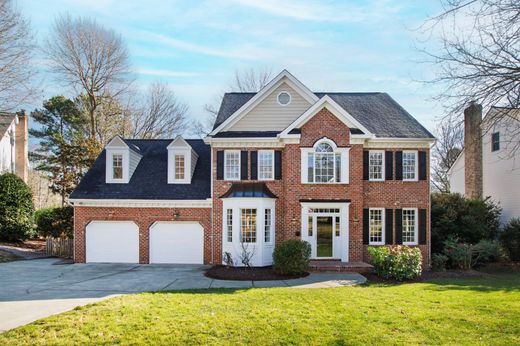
{"x":396,"y":262}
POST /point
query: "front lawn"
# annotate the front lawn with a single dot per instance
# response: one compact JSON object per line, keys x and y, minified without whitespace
{"x":454,"y":311}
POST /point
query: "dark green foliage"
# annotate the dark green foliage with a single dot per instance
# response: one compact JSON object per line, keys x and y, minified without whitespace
{"x":396,"y":262}
{"x":55,"y":222}
{"x":291,"y":257}
{"x":467,"y":256}
{"x":468,"y":220}
{"x":16,"y":208}
{"x":439,"y":262}
{"x":510,"y":239}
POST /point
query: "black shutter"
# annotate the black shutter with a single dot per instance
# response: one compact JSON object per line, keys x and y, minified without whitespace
{"x":278,"y":164}
{"x":254,"y":165}
{"x":399,"y":226}
{"x":422,"y":165}
{"x":398,"y":165}
{"x":243,"y":165}
{"x":389,"y":165}
{"x":422,"y":226}
{"x":220,"y":165}
{"x":389,"y":226}
{"x":366,"y":226}
{"x":365,"y":165}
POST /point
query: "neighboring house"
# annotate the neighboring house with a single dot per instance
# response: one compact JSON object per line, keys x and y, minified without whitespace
{"x":14,"y":144}
{"x":340,"y":170}
{"x":492,"y":156}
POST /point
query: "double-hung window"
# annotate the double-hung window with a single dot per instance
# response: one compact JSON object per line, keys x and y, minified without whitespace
{"x":265,"y":164}
{"x":267,"y":225}
{"x":324,"y":165}
{"x":376,"y":165}
{"x":410,"y":165}
{"x":376,"y":226}
{"x":248,"y":225}
{"x":229,"y":225}
{"x":232,"y":165}
{"x":117,"y":166}
{"x":410,"y":226}
{"x":179,"y":167}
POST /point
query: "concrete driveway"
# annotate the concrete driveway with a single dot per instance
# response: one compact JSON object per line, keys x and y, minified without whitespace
{"x":33,"y":289}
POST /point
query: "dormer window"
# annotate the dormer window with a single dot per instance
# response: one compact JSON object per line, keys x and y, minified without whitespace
{"x":182,"y":160}
{"x":179,"y":167}
{"x":117,"y":166}
{"x":325,"y":163}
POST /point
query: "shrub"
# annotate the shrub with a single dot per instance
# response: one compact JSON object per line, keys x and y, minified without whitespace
{"x":291,"y":257}
{"x":469,"y":220}
{"x":466,"y":256}
{"x":510,"y":239}
{"x":55,"y":222}
{"x":16,"y":209}
{"x":439,"y":262}
{"x":397,"y":262}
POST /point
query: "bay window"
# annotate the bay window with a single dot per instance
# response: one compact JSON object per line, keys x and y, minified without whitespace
{"x":248,"y":225}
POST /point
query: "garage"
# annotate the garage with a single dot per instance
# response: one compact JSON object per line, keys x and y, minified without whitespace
{"x":177,"y":242}
{"x":112,"y":242}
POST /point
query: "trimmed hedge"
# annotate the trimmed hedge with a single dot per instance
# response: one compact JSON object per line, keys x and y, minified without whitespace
{"x":55,"y":222}
{"x":16,"y":209}
{"x":291,"y":257}
{"x":396,"y":262}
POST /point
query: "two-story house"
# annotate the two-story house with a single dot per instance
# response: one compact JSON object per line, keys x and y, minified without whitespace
{"x":341,"y":171}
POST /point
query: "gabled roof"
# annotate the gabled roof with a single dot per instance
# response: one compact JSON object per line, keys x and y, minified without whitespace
{"x":179,"y":142}
{"x":376,"y":111}
{"x":149,"y":180}
{"x":6,"y":119}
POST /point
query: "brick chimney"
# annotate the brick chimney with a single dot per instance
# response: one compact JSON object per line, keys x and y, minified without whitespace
{"x":21,"y":146}
{"x":473,"y":151}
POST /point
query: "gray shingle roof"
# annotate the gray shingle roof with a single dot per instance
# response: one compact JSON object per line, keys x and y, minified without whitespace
{"x":149,"y":180}
{"x":377,"y":111}
{"x":5,"y":121}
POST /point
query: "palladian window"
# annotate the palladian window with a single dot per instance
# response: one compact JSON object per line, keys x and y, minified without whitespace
{"x":324,"y":164}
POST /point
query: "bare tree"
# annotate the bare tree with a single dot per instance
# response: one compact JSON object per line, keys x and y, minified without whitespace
{"x":247,"y":80}
{"x":91,"y":58}
{"x":479,"y":55}
{"x":450,"y":140}
{"x":16,"y":45}
{"x":161,"y":115}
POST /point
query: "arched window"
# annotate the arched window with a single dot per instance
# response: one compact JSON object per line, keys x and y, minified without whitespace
{"x":324,"y":163}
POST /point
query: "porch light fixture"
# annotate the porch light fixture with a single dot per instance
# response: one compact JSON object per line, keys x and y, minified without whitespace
{"x":176,"y":214}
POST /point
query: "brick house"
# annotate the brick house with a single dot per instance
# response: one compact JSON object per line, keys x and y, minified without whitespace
{"x":341,"y":171}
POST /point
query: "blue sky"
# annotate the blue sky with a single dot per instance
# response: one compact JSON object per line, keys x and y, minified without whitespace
{"x":196,"y":46}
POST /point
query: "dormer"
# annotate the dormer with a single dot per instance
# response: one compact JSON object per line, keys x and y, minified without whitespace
{"x":121,"y":161}
{"x":182,"y":160}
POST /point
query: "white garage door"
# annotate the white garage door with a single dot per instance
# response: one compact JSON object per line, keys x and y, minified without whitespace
{"x":176,"y":242}
{"x":112,"y":241}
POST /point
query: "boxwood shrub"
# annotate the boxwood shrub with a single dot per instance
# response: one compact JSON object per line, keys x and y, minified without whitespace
{"x":291,"y":257}
{"x":16,"y":209}
{"x":396,"y":262}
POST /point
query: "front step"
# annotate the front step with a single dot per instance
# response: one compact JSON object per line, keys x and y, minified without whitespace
{"x":338,"y":266}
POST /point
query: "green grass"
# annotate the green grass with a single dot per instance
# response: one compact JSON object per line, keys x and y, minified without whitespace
{"x":447,"y":311}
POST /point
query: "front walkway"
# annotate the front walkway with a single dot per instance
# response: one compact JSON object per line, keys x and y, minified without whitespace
{"x":34,"y":289}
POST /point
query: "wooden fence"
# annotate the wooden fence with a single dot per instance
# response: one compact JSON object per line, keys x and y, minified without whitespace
{"x":60,"y":247}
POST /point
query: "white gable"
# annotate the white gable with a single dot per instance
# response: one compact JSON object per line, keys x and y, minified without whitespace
{"x":116,"y":142}
{"x":269,"y":115}
{"x":179,"y":142}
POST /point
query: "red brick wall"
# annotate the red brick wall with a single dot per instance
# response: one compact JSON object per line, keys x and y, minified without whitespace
{"x":144,"y":218}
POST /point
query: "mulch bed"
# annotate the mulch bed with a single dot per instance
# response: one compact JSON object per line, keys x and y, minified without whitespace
{"x":247,"y":274}
{"x":449,"y":274}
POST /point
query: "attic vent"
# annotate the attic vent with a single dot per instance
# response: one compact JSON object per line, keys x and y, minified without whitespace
{"x":284,"y":98}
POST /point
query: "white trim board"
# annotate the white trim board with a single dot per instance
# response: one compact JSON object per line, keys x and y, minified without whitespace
{"x":142,"y":203}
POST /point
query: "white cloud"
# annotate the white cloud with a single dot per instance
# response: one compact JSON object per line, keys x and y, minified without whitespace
{"x":166,"y":73}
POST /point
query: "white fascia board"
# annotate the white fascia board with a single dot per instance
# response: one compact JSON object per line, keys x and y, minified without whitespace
{"x":282,"y":77}
{"x":142,"y":203}
{"x":331,"y":105}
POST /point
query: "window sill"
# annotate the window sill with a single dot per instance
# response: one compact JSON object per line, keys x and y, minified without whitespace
{"x":376,"y":244}
{"x":411,"y":244}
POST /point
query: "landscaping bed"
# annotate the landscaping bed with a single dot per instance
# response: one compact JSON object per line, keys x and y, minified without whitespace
{"x":429,"y":275}
{"x":246,"y":274}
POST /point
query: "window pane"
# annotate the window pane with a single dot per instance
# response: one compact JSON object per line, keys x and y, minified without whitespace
{"x":310,"y":168}
{"x":248,"y":225}
{"x":409,"y":162}
{"x":267,"y":228}
{"x":309,"y":226}
{"x":409,"y":226}
{"x":117,"y":166}
{"x":232,"y":165}
{"x":324,"y":167}
{"x":338,"y":167}
{"x":229,"y":225}
{"x":324,"y":147}
{"x":179,"y":167}
{"x":376,"y":226}
{"x":265,"y":165}
{"x":376,"y":165}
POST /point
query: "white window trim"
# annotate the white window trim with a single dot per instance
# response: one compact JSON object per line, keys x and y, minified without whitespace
{"x":383,"y":230}
{"x":415,"y":152}
{"x":226,"y":152}
{"x":282,"y":92}
{"x":382,"y":152}
{"x":258,"y":165}
{"x":186,"y":152}
{"x":109,"y":177}
{"x":344,"y":170}
{"x":416,"y":226}
{"x":271,"y":226}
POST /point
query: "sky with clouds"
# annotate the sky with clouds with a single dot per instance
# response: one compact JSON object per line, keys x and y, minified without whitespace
{"x":196,"y":46}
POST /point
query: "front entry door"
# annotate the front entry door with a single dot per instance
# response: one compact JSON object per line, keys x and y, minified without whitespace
{"x":324,"y":236}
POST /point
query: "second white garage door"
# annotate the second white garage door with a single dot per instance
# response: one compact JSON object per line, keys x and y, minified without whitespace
{"x":177,"y":242}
